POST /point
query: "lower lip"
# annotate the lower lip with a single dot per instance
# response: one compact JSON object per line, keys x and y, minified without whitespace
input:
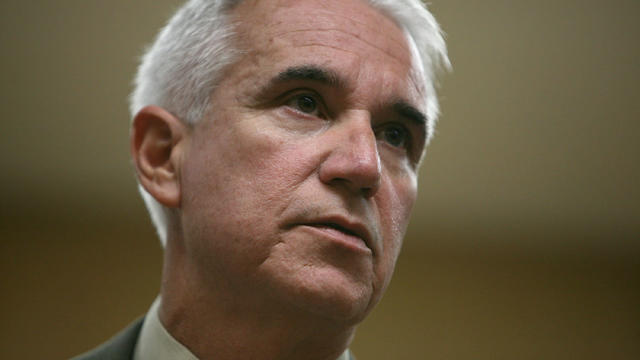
{"x":347,"y":240}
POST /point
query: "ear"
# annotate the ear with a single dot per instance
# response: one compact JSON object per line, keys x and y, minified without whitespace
{"x":157,"y":142}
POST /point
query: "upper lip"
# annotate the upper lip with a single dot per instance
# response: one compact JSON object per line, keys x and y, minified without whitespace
{"x":346,"y":225}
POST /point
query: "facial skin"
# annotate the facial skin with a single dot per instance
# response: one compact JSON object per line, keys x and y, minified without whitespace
{"x":295,"y":191}
{"x":276,"y":161}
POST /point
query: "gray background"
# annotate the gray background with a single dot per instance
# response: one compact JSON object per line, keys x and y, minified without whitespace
{"x":524,"y":243}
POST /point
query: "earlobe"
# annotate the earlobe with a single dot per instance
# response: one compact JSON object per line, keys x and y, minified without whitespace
{"x":157,"y":139}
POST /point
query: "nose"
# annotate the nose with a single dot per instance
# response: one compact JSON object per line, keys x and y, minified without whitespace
{"x":353,"y":161}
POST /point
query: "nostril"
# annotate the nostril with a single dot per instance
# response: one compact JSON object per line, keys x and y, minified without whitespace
{"x":370,"y":191}
{"x":374,"y":189}
{"x":367,"y":192}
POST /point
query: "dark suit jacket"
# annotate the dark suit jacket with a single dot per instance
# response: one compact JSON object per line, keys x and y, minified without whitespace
{"x":120,"y":347}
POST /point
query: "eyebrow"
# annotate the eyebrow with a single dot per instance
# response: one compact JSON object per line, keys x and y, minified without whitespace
{"x":406,"y":110}
{"x":309,"y":72}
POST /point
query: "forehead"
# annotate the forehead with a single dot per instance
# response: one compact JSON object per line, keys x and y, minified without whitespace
{"x":357,"y":40}
{"x":308,"y":20}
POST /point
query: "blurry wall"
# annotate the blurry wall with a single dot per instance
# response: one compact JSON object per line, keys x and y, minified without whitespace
{"x":524,"y":243}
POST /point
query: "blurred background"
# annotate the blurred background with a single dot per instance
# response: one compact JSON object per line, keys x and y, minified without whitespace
{"x":524,"y":243}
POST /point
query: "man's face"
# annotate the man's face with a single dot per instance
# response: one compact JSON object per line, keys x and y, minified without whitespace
{"x":298,"y":186}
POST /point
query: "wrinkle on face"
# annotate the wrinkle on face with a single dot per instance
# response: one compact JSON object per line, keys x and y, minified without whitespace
{"x":394,"y":53}
{"x":360,"y":27}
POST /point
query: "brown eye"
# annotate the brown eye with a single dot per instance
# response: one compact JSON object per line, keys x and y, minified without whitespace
{"x":395,"y":135}
{"x":304,"y":103}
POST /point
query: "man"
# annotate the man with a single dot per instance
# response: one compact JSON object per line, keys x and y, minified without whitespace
{"x":277,"y":144}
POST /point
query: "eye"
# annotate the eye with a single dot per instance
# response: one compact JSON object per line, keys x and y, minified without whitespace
{"x":395,"y":135}
{"x":305,"y":103}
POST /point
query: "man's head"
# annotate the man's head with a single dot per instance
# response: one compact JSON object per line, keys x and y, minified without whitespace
{"x":185,"y":63}
{"x":288,"y":172}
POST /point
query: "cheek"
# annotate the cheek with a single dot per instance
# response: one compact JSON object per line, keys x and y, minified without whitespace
{"x":394,"y":203}
{"x":398,"y":200}
{"x":404,"y":198}
{"x":243,"y":172}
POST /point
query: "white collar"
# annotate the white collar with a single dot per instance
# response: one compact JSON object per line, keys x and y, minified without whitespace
{"x":155,"y":342}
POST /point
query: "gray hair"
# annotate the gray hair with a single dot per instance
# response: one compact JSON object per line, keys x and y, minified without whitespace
{"x":182,"y":67}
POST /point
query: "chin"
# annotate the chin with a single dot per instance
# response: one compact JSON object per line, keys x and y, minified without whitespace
{"x":333,"y":295}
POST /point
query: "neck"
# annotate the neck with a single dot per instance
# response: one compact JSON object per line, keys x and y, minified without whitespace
{"x":219,"y":323}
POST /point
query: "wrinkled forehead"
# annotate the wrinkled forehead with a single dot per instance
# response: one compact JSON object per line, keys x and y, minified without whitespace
{"x":274,"y":18}
{"x":265,"y":24}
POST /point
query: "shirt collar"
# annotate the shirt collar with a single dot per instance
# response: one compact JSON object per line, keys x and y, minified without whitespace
{"x":155,"y":342}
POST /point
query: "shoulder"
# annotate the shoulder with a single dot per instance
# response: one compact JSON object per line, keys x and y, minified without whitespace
{"x":120,"y":347}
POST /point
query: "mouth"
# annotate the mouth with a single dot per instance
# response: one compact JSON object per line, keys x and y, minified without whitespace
{"x":352,"y":232}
